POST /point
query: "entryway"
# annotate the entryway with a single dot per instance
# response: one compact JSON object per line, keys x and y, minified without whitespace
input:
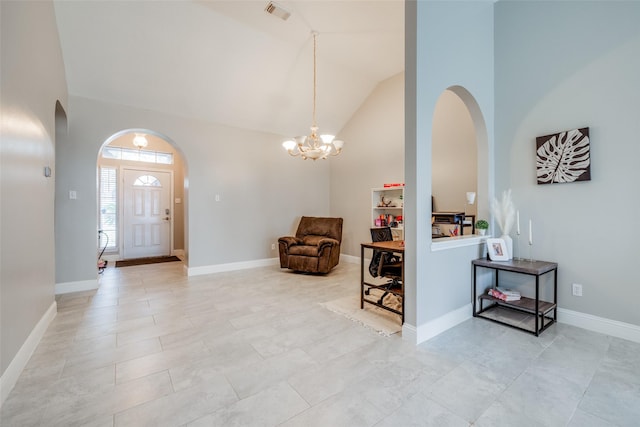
{"x":141,"y":197}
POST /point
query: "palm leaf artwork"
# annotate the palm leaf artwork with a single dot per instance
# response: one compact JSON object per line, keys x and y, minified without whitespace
{"x":563,"y":157}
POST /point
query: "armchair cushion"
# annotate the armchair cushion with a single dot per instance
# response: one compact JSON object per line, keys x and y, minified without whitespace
{"x":312,"y":240}
{"x":315,"y":248}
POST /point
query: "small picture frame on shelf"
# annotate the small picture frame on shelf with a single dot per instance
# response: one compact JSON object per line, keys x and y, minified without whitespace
{"x":497,"y":249}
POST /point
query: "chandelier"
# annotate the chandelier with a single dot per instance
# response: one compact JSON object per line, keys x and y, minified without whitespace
{"x":314,"y":146}
{"x":140,"y":141}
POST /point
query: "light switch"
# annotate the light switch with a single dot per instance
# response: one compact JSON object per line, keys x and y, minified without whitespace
{"x":73,"y":195}
{"x":217,"y":197}
{"x":178,"y":200}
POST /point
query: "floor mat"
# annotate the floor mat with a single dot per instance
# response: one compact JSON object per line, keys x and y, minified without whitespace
{"x":382,"y":321}
{"x":142,"y":261}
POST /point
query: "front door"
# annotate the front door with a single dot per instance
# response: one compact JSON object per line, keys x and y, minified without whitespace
{"x":146,"y":213}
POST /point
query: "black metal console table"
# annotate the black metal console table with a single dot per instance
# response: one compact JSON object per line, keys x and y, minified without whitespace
{"x":540,"y":310}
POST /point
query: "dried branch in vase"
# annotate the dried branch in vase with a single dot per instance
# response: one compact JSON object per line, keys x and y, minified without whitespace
{"x":504,"y":212}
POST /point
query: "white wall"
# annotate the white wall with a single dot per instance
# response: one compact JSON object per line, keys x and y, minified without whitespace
{"x":33,"y":79}
{"x":373,"y":155}
{"x":565,"y":65}
{"x":263,"y":191}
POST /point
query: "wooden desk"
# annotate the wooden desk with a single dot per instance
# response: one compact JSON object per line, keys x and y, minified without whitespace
{"x":395,"y":246}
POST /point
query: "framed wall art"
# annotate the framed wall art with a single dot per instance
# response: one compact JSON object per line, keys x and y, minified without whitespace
{"x":563,"y":157}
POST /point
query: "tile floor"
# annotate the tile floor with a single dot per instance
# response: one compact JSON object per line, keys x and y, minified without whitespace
{"x":153,"y":347}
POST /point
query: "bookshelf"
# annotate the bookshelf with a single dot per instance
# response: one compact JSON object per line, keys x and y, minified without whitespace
{"x":388,"y":202}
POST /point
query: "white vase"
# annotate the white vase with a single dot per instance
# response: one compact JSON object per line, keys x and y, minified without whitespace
{"x":482,"y":231}
{"x":509,"y":242}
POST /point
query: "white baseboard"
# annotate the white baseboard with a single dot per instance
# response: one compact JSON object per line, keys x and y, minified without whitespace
{"x":350,"y":259}
{"x":435,"y":327}
{"x":82,"y":285}
{"x":17,"y":365}
{"x":243,"y":265}
{"x":602,"y":325}
{"x":409,"y":333}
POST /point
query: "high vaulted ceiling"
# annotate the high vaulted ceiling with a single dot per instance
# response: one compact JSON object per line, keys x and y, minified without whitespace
{"x":231,"y":62}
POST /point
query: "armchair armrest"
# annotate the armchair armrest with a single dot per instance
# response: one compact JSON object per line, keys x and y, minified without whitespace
{"x":327,"y":242}
{"x":289,"y":241}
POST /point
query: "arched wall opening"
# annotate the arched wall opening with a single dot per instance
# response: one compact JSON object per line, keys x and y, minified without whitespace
{"x":459,"y":159}
{"x":61,"y":136}
{"x":118,"y":157}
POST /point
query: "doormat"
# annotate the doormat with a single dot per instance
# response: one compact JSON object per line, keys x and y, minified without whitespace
{"x":382,"y":321}
{"x":143,"y":261}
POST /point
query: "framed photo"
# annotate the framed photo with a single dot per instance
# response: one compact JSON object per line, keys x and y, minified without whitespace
{"x":497,"y":250}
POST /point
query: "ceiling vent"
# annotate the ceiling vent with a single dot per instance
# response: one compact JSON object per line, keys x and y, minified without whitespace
{"x":277,"y":10}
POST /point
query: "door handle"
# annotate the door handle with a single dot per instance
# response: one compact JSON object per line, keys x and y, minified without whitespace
{"x":167,"y":218}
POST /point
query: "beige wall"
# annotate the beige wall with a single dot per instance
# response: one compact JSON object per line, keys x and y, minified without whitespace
{"x":263,"y":191}
{"x":454,"y":156}
{"x":373,"y":155}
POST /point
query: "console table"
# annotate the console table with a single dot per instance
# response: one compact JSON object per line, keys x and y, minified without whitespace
{"x":539,"y":310}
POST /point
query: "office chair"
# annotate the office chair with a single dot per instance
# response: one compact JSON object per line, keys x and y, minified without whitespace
{"x":384,"y":263}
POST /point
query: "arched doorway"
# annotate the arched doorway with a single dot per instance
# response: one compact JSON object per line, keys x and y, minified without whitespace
{"x":459,"y":157}
{"x":141,"y":196}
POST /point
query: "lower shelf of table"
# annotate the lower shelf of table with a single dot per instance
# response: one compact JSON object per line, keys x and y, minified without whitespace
{"x":525,"y":304}
{"x":516,"y":318}
{"x":365,"y":287}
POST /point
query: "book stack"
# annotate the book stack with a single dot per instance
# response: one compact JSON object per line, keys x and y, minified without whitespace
{"x":505,"y":294}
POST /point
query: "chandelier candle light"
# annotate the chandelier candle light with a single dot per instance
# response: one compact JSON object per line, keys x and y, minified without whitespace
{"x":140,"y":141}
{"x":314,"y":146}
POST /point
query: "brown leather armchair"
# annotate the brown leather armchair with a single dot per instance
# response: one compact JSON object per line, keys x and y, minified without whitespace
{"x":315,"y":247}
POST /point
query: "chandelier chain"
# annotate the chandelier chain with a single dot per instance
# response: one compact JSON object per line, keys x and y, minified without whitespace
{"x":315,"y":35}
{"x":314,"y":146}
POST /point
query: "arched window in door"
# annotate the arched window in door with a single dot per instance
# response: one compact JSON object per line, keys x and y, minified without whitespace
{"x":147,"y":181}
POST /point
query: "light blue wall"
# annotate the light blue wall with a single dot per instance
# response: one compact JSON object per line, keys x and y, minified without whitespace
{"x":558,"y":66}
{"x":454,"y":47}
{"x":565,"y":65}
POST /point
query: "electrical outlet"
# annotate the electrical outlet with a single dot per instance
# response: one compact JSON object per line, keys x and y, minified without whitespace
{"x":273,"y":246}
{"x":577,"y":290}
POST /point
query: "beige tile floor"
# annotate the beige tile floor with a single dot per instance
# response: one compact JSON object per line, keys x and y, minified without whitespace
{"x":152,"y":347}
